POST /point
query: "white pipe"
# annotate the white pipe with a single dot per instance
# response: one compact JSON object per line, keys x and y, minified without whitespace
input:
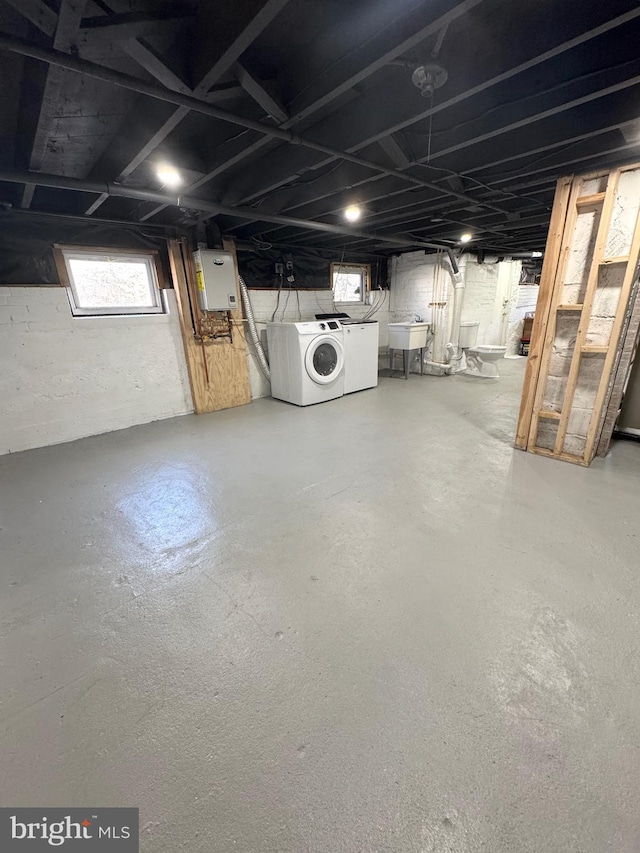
{"x":255,"y":337}
{"x":458,"y":298}
{"x":442,"y":368}
{"x":453,"y":347}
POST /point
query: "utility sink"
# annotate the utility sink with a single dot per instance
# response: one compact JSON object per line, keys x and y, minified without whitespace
{"x":408,"y":335}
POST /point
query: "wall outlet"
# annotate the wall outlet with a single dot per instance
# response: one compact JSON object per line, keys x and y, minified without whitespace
{"x":279,"y":269}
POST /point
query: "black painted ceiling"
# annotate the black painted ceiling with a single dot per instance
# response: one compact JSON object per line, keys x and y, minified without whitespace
{"x":536,"y":89}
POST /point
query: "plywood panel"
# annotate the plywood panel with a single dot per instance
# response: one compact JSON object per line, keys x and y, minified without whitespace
{"x":218,"y":369}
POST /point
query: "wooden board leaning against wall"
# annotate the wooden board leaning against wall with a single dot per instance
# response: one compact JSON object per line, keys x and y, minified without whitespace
{"x":588,"y":277}
{"x":217,"y":366}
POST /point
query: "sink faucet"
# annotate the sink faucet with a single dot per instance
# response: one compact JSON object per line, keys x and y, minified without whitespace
{"x":417,"y":318}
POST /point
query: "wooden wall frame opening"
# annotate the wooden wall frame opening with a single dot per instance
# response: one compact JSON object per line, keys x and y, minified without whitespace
{"x":589,"y":272}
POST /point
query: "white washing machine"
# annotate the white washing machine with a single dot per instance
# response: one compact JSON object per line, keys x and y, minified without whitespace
{"x":306,"y":361}
{"x":361,"y":342}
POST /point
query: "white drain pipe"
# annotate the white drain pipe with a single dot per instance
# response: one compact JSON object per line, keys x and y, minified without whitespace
{"x":453,"y":347}
{"x":255,"y":337}
{"x":454,"y":357}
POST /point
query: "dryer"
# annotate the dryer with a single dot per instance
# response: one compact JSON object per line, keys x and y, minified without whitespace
{"x":361,"y":341}
{"x":306,"y":361}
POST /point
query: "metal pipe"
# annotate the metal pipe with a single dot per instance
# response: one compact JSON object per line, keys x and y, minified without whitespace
{"x":134,"y":84}
{"x":83,"y":185}
{"x":99,"y":220}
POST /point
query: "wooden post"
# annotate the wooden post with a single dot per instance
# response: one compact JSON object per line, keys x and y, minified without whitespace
{"x":557,"y":278}
{"x":614,"y":341}
{"x":585,"y":315}
{"x":554,"y":241}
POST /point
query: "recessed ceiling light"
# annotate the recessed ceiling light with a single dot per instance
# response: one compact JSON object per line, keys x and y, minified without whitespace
{"x":465,"y":238}
{"x":169,"y":176}
{"x":352,"y":213}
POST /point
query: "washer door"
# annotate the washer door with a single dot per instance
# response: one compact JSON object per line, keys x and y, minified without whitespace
{"x":324,"y":359}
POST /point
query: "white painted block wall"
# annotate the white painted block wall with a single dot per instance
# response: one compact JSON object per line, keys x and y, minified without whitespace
{"x":304,"y":305}
{"x":525,"y":303}
{"x":65,"y":377}
{"x":490,"y":292}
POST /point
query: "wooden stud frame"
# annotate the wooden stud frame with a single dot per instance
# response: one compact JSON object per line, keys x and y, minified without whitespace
{"x":627,"y":351}
{"x":543,"y":309}
{"x":569,"y":202}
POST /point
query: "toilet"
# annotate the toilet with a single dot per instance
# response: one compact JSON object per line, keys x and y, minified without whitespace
{"x":481,"y":358}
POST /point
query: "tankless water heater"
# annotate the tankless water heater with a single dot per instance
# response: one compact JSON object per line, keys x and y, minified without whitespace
{"x":216,"y":280}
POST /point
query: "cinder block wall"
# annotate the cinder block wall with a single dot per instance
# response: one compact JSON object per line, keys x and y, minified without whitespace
{"x":526,"y":299}
{"x":490,"y":296}
{"x":412,"y":282}
{"x":304,"y":305}
{"x":65,"y":377}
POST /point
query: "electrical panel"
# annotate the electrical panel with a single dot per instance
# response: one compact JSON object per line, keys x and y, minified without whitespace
{"x":216,"y":280}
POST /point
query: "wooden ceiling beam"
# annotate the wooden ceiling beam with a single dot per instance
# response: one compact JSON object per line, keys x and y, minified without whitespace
{"x":257,"y":90}
{"x":230,"y":51}
{"x":394,"y":151}
{"x":38,"y":13}
{"x":67,"y":26}
{"x":333,"y":190}
{"x":413,"y":117}
{"x":147,"y":58}
{"x":124,"y":19}
{"x":116,"y":30}
{"x":358,"y":65}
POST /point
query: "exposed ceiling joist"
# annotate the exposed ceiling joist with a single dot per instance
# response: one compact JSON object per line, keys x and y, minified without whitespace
{"x":37,"y":11}
{"x":443,"y":204}
{"x":257,"y":18}
{"x":248,"y":29}
{"x":67,"y":25}
{"x":123,"y":19}
{"x":120,"y":191}
{"x":269,"y":103}
{"x":147,"y":58}
{"x":260,"y":94}
{"x":540,"y":58}
{"x":105,"y":29}
{"x":193,"y":104}
{"x":356,"y":66}
{"x":404,"y":219}
{"x":393,"y":150}
{"x":495,"y":153}
{"x":537,"y":117}
{"x":495,"y":80}
{"x":530,"y":152}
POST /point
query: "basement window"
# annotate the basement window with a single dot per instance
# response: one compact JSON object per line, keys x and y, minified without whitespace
{"x":102,"y":283}
{"x":350,"y":282}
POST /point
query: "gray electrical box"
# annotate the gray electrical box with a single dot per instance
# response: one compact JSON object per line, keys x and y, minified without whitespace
{"x":216,"y":280}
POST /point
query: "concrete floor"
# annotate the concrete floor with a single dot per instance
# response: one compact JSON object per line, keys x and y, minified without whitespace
{"x":365,"y":626}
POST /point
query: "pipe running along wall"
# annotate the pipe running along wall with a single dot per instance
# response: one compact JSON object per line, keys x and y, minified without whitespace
{"x":134,"y":84}
{"x":121,"y":191}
